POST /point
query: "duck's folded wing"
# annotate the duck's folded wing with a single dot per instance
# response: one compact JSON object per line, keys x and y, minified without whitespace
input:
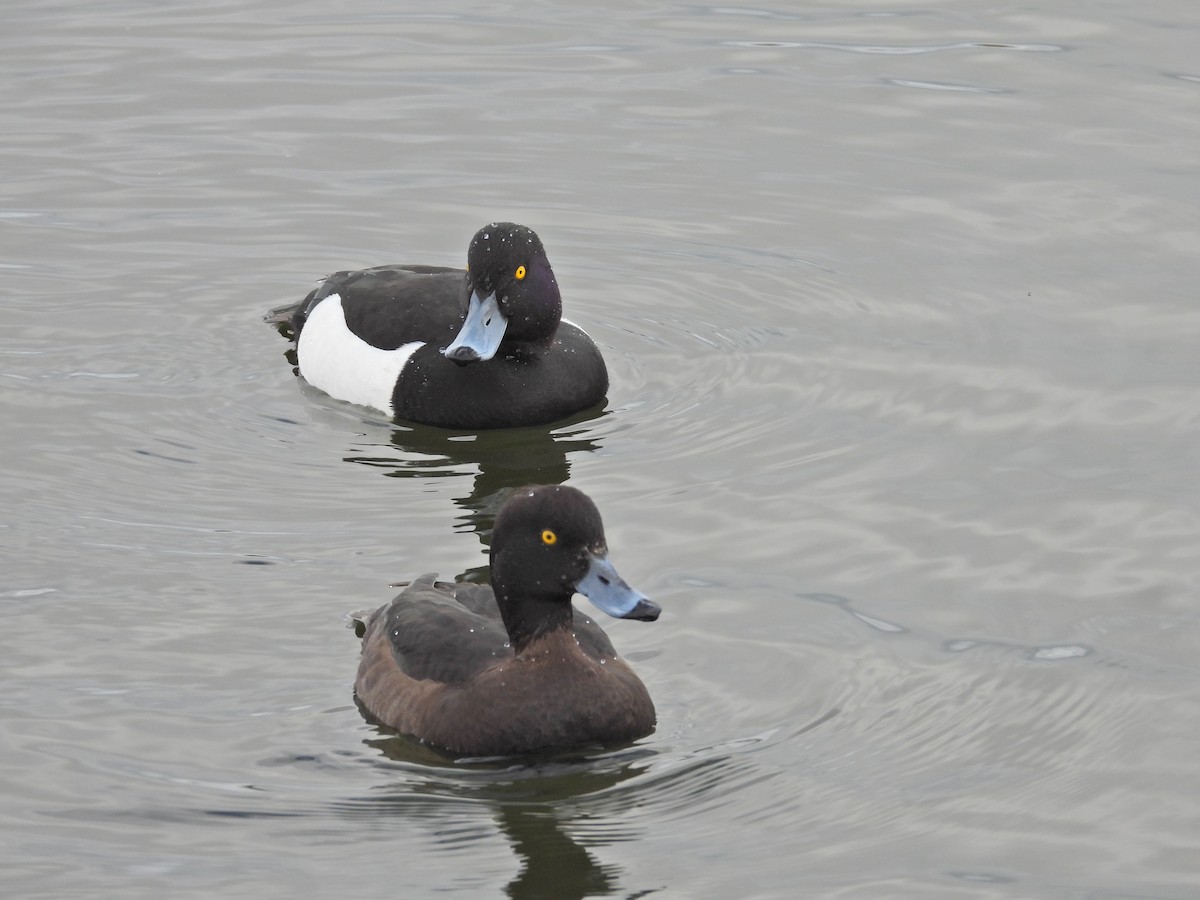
{"x":432,"y":637}
{"x":389,"y":306}
{"x":592,"y":640}
{"x":478,"y":598}
{"x":292,"y":316}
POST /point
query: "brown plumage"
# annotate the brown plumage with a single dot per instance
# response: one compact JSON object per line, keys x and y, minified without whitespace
{"x":511,"y":669}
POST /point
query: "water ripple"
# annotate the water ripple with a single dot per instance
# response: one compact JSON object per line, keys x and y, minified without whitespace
{"x":897,"y":50}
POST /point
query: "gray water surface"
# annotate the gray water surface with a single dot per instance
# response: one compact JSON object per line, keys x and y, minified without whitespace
{"x":900,"y":308}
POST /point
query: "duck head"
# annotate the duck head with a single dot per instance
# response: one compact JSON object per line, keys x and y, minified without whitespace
{"x":547,"y":545}
{"x":513,"y":297}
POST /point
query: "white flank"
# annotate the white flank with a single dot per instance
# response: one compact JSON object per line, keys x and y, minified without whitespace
{"x":343,"y":365}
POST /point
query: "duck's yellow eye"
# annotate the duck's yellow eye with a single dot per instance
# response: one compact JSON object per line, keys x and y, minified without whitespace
{"x":549,"y":537}
{"x":520,"y":273}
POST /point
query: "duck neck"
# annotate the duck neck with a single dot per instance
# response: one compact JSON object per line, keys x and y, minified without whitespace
{"x":528,"y":618}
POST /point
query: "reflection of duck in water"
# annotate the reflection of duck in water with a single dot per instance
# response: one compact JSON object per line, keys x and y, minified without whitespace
{"x":502,"y":459}
{"x":482,"y":349}
{"x":534,"y":806}
{"x":511,"y":669}
{"x":553,"y":865}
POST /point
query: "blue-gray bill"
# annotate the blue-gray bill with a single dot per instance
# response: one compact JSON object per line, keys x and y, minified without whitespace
{"x":481,"y":334}
{"x":608,"y":591}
